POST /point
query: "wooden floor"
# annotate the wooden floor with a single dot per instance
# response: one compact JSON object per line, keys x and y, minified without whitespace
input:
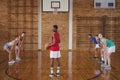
{"x":74,"y":66}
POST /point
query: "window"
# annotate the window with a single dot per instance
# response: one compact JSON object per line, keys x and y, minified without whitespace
{"x":98,"y":4}
{"x":110,"y":4}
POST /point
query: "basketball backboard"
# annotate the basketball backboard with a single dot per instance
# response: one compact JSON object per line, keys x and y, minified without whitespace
{"x":61,"y":5}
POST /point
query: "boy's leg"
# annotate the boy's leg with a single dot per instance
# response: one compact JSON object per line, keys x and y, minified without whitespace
{"x":10,"y":57}
{"x":58,"y":61}
{"x":58,"y":67}
{"x":108,"y":66}
{"x":51,"y":67}
{"x":105,"y":57}
{"x":95,"y":52}
{"x":10,"y":54}
{"x":109,"y":60}
{"x":17,"y":51}
{"x":102,"y":56}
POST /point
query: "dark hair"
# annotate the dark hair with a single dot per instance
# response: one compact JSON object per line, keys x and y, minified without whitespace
{"x":90,"y":34}
{"x":97,"y":35}
{"x":24,"y":32}
{"x":55,"y":26}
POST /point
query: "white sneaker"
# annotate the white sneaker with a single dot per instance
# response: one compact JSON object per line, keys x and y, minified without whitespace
{"x":57,"y":74}
{"x":11,"y":62}
{"x":18,"y":59}
{"x":108,"y":67}
{"x":51,"y":75}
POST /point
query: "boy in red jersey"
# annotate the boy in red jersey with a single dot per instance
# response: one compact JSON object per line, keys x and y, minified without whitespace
{"x":55,"y":51}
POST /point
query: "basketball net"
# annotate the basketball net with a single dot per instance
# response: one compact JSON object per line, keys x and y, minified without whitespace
{"x":55,"y":10}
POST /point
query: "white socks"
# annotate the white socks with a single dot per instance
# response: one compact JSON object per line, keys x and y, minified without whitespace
{"x":102,"y":58}
{"x":58,"y":69}
{"x":51,"y":70}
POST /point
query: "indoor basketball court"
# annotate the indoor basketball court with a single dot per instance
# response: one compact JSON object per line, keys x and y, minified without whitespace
{"x":60,"y":40}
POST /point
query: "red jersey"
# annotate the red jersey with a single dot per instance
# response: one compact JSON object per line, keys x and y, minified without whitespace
{"x":20,"y":38}
{"x":57,"y":38}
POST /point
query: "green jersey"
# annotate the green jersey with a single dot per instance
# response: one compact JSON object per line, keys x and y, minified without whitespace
{"x":109,"y":43}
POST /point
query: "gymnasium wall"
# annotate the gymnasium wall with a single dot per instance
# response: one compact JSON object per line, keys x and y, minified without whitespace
{"x":48,"y":20}
{"x":22,"y":15}
{"x":3,"y":23}
{"x":19,"y":16}
{"x":89,"y":20}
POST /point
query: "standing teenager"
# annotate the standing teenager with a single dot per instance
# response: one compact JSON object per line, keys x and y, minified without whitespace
{"x":55,"y":51}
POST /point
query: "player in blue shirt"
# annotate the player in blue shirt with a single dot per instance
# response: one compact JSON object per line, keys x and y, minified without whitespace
{"x":96,"y":42}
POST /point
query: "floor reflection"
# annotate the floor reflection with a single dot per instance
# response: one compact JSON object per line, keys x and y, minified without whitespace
{"x":105,"y":74}
{"x":74,"y":66}
{"x":13,"y":71}
{"x":69,"y":65}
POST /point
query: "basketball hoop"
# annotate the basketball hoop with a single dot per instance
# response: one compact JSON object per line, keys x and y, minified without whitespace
{"x":55,"y":10}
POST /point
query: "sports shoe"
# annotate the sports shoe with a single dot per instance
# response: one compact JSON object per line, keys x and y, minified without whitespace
{"x":107,"y":67}
{"x":57,"y":74}
{"x":51,"y":75}
{"x":18,"y":59}
{"x":11,"y":62}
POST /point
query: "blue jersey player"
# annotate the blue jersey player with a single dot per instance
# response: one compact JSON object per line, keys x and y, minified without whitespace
{"x":96,"y":42}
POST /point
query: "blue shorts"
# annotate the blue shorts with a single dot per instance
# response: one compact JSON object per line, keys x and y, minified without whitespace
{"x":5,"y":47}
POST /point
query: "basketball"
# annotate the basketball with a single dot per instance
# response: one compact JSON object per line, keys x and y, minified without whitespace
{"x":46,"y":46}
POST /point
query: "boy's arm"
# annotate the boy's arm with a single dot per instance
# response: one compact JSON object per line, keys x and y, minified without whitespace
{"x":59,"y":41}
{"x":105,"y":45}
{"x":54,"y":41}
{"x":21,"y":42}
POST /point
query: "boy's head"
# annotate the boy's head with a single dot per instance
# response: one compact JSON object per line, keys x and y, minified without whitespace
{"x":23,"y":33}
{"x":100,"y":36}
{"x":89,"y":35}
{"x":55,"y":27}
